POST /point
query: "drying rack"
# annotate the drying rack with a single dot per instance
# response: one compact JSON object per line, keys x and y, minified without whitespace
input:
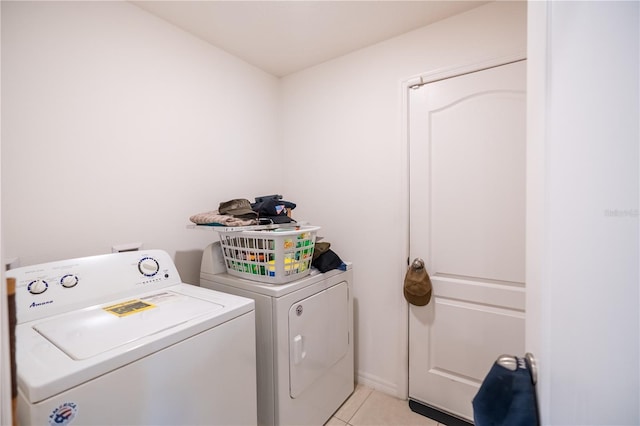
{"x":267,"y":227}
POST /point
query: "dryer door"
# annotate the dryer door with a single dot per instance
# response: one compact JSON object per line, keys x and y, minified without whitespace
{"x":318,"y":336}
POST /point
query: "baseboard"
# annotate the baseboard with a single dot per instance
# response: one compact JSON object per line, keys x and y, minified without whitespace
{"x":377,"y":383}
{"x":437,"y":415}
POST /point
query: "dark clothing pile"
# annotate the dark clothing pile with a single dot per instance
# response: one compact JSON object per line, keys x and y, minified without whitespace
{"x":267,"y":209}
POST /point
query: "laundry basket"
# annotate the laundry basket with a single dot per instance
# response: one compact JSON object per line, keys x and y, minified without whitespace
{"x":275,"y":256}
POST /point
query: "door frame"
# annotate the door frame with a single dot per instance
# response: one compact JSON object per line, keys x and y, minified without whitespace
{"x":406,"y":85}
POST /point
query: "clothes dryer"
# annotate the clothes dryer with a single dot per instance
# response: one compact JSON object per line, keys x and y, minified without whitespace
{"x":119,"y":339}
{"x":304,"y":341}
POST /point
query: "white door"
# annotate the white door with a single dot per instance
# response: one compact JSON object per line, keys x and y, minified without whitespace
{"x":467,"y":189}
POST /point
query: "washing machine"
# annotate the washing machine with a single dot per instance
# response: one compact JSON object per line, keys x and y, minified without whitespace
{"x":304,"y":341}
{"x":119,"y":339}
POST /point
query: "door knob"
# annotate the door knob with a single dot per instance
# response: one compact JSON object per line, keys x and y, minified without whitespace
{"x":417,"y":263}
{"x":512,"y":363}
{"x":533,"y":366}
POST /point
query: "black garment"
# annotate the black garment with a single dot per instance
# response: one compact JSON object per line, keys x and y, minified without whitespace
{"x":328,"y":261}
{"x":506,"y":398}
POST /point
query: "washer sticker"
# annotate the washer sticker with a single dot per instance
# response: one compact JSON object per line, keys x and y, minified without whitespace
{"x":129,"y":307}
{"x":64,"y":414}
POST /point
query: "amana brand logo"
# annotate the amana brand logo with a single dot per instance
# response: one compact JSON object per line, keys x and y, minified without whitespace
{"x":64,"y":414}
{"x":35,"y":305}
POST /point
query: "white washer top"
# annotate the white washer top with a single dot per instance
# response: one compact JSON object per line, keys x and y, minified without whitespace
{"x":117,"y":311}
{"x":89,"y":332}
{"x":52,"y":288}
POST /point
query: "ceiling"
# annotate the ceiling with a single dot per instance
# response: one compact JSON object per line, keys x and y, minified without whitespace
{"x":282,"y":37}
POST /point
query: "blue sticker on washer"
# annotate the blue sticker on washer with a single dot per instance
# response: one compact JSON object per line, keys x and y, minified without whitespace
{"x":64,"y":414}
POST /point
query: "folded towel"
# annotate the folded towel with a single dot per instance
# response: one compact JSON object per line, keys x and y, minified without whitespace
{"x":208,"y":218}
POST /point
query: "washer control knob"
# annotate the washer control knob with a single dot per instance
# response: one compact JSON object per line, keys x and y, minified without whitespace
{"x":69,"y":281}
{"x":37,"y":286}
{"x":148,"y":266}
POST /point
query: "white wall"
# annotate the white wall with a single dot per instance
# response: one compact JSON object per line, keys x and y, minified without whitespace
{"x":5,"y":360}
{"x":118,"y":126}
{"x":346,"y":162}
{"x":584,"y":210}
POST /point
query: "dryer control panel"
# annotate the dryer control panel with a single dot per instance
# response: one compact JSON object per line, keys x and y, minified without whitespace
{"x":57,"y":287}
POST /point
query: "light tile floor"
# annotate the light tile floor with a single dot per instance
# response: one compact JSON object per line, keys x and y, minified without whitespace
{"x":368,"y":407}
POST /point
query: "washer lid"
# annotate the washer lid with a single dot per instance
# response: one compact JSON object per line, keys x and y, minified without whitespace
{"x":89,"y":332}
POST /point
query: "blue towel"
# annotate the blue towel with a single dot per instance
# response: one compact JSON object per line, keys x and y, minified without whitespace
{"x":506,"y":398}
